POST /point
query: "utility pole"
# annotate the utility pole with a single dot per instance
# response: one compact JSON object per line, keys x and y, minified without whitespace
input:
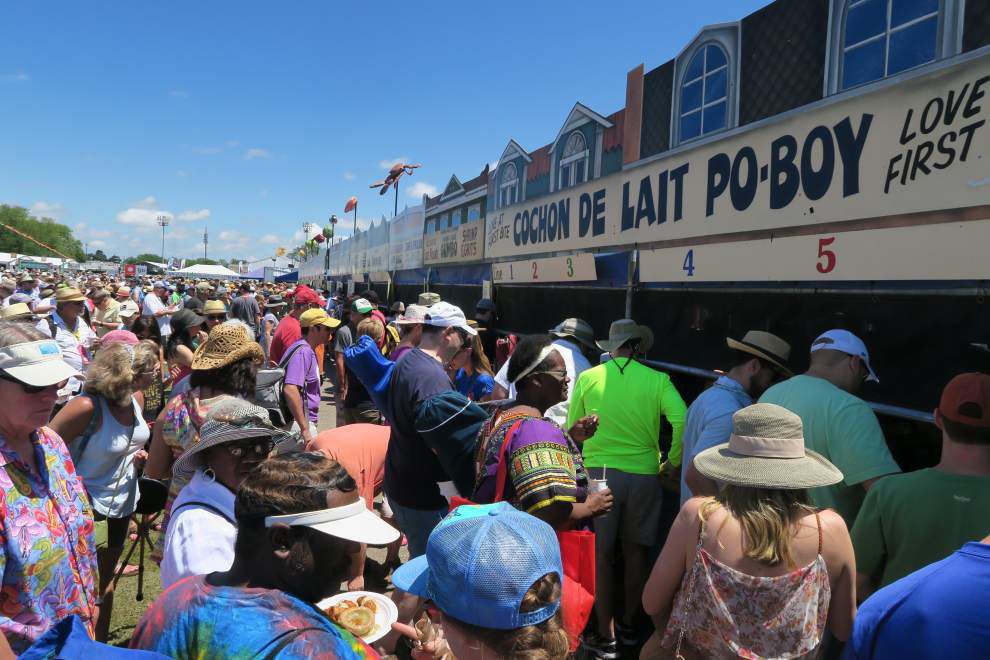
{"x":206,"y":241}
{"x":163,"y":221}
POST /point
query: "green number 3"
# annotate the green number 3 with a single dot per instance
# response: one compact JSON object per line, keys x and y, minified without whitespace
{"x":570,"y":267}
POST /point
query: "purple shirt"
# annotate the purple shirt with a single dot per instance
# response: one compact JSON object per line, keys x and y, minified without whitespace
{"x":303,"y":372}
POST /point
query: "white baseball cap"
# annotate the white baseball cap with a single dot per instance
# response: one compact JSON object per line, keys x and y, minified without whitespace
{"x":36,"y":363}
{"x":848,"y":343}
{"x":445,"y":315}
{"x":353,"y":522}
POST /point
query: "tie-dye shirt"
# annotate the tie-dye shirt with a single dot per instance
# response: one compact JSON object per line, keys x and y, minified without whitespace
{"x":47,"y":548}
{"x":193,"y":619}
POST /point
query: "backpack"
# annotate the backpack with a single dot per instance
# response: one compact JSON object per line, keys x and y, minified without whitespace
{"x":269,"y":391}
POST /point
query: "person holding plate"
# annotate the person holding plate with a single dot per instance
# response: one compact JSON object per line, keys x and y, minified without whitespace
{"x":299,"y":520}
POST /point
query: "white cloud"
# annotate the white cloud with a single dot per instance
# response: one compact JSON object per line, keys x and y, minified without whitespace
{"x":207,"y":151}
{"x":141,"y":218}
{"x":256,"y":152}
{"x":387,"y":163}
{"x":230,"y":235}
{"x":16,"y":77}
{"x":97,"y":244}
{"x":179,"y":94}
{"x":193,"y":216}
{"x":45,"y":209}
{"x":420,"y":188}
{"x":270,"y":239}
{"x":148,"y":202}
{"x":348,"y":176}
{"x":100,"y":233}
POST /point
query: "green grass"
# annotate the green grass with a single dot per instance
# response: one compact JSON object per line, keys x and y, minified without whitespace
{"x":127,"y":610}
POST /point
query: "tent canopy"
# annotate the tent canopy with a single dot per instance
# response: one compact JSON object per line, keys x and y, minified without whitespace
{"x":206,"y":270}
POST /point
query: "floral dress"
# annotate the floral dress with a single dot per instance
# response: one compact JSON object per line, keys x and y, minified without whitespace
{"x":47,"y":548}
{"x":720,"y":612}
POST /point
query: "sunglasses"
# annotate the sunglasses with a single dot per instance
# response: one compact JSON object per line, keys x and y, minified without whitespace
{"x":559,"y":375}
{"x":32,"y":389}
{"x":261,"y":448}
{"x":217,"y":317}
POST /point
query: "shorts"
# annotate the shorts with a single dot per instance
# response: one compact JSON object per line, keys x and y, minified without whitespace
{"x":635,"y":514}
{"x":358,"y":415}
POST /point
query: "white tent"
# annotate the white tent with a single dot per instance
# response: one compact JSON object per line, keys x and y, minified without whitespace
{"x":215,"y":272}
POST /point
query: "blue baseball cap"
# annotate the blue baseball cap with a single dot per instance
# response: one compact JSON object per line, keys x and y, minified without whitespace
{"x":480,"y":561}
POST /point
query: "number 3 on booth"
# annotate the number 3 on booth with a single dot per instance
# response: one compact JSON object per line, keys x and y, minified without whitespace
{"x":688,"y":265}
{"x":826,"y":263}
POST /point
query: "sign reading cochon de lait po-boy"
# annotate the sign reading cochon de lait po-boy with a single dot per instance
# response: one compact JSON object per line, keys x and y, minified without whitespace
{"x":918,"y":146}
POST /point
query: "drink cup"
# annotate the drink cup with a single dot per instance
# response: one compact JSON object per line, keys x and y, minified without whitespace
{"x":597,"y":485}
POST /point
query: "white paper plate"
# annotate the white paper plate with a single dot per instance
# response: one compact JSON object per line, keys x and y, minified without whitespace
{"x":386,"y":615}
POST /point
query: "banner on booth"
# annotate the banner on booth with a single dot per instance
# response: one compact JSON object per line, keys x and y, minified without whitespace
{"x":457,"y":245}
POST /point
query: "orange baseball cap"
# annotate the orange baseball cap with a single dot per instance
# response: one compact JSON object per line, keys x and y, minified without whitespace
{"x":966,"y":400}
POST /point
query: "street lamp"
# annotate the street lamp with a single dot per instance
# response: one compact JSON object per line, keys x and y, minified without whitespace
{"x":163,"y":221}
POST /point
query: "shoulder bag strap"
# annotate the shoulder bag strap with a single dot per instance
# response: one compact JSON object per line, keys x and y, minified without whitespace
{"x":283,"y":363}
{"x":205,"y":505}
{"x":503,"y":468}
{"x":690,"y":584}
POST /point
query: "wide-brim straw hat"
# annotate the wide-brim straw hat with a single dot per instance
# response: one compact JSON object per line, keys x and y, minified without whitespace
{"x":230,"y":419}
{"x":764,"y":345}
{"x":766,"y":450}
{"x":214,"y":307}
{"x":226,"y":344}
{"x":69,"y":294}
{"x":624,"y":330}
{"x":16,"y":311}
{"x":577,"y":329}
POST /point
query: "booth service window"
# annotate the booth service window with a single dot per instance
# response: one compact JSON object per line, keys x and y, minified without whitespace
{"x":573,"y":169}
{"x":509,"y":187}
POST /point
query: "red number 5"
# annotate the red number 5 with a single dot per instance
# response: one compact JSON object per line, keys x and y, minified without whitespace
{"x":829,"y":265}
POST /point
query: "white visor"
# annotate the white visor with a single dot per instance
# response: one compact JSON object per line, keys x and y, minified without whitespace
{"x":36,"y":363}
{"x":353,"y":522}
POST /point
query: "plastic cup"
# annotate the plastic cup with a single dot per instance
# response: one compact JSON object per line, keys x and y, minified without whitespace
{"x":597,"y":485}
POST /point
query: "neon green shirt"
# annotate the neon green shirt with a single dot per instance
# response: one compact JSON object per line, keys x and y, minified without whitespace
{"x":908,"y":521}
{"x":843,"y":429}
{"x":629,"y":403}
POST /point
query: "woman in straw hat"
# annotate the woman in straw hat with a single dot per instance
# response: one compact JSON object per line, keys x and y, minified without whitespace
{"x":235,"y":437}
{"x":226,"y":363}
{"x":756,"y":571}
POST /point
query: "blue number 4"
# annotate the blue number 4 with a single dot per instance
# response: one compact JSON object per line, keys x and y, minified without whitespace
{"x":689,"y":263}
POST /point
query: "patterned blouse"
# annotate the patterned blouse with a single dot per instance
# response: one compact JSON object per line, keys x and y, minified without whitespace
{"x":720,"y":612}
{"x":48,"y":549}
{"x":544,"y":465}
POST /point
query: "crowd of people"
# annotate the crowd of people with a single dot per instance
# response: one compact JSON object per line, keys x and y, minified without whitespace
{"x":526,"y":477}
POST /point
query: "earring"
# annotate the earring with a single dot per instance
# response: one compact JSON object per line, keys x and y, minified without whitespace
{"x":210,"y":475}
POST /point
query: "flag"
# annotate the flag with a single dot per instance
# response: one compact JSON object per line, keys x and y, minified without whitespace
{"x":350,"y":205}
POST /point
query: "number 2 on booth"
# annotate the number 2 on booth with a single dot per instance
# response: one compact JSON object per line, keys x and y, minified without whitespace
{"x":688,"y":265}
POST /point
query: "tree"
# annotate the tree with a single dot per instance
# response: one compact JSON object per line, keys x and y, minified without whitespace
{"x":141,"y":258}
{"x":99,"y":256}
{"x":115,"y":259}
{"x":46,"y":231}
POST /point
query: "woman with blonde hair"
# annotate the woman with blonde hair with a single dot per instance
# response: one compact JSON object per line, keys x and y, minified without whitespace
{"x":756,"y":571}
{"x":105,"y":432}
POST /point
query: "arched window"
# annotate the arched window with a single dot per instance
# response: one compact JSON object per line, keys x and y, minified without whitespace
{"x":573,"y":167}
{"x":509,"y":187}
{"x":704,"y":106}
{"x":884,"y":37}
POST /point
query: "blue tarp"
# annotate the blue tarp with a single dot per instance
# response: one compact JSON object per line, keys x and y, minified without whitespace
{"x":468,"y":274}
{"x":256,"y":274}
{"x":288,"y":277}
{"x":412,"y":276}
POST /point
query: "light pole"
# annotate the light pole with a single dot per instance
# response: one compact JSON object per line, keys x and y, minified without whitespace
{"x":205,"y":243}
{"x":163,"y":223}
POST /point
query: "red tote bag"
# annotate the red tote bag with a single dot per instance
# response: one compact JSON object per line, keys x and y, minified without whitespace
{"x":577,"y":553}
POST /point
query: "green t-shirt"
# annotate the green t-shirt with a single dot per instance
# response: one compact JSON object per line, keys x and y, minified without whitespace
{"x":911,"y":520}
{"x":843,"y":429}
{"x":629,"y":403}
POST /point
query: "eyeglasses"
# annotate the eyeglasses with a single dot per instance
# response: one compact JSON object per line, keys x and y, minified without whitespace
{"x":216,"y":317}
{"x":32,"y":389}
{"x":260,"y":447}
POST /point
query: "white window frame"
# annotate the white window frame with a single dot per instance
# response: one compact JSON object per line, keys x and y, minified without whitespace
{"x":574,"y":161}
{"x":508,"y":189}
{"x":949,"y":39}
{"x":726,"y":36}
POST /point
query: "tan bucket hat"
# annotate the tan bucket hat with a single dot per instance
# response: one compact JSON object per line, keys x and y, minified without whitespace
{"x":226,"y":344}
{"x":428,"y":299}
{"x":766,"y":450}
{"x":69,"y":294}
{"x":622,"y":331}
{"x":578,"y":329}
{"x":214,"y":307}
{"x":765,"y":346}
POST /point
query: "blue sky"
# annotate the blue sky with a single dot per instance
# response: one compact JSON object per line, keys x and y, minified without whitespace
{"x":250,"y":118}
